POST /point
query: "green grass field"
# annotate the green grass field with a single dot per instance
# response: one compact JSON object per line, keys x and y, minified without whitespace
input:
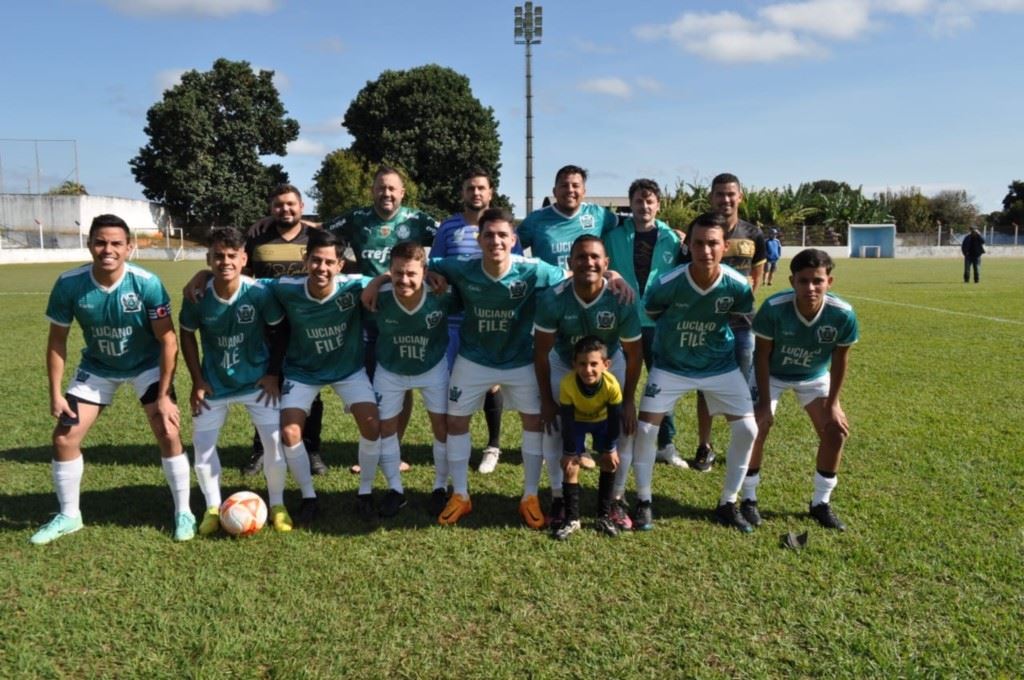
{"x":926,"y":582}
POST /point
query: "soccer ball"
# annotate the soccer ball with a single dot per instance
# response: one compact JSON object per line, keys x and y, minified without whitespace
{"x":243,"y":514}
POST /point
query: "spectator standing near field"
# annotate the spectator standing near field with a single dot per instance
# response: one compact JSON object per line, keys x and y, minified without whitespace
{"x":973,"y":247}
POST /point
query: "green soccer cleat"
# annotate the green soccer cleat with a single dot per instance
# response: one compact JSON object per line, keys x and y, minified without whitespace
{"x":60,"y":525}
{"x":280,"y":518}
{"x":184,"y":526}
{"x":211,"y":522}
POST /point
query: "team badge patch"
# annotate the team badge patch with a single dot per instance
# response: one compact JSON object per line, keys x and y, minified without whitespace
{"x":385,"y":231}
{"x":723,"y":305}
{"x":652,"y":390}
{"x":827,"y":334}
{"x":587,"y":221}
{"x":245,"y":314}
{"x":130,"y":303}
{"x":402,"y":231}
{"x":433,"y":319}
{"x":81,"y":376}
{"x":517,"y":289}
{"x":454,"y":393}
{"x":346,"y":301}
{"x":605,"y":320}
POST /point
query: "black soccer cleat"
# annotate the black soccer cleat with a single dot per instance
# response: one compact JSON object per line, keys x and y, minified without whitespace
{"x":727,"y":514}
{"x":316,"y":463}
{"x":604,"y":525}
{"x":392,"y":503}
{"x":826,"y":516}
{"x":703,"y":459}
{"x":748,"y":508}
{"x":253,"y":465}
{"x":643,"y":516}
{"x":438,"y":499}
{"x":365,"y":507}
{"x":308,"y":511}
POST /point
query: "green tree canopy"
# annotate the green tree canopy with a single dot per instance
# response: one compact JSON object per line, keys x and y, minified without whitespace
{"x":954,"y":208}
{"x":344,"y":182}
{"x":909,"y":209}
{"x":205,"y":139}
{"x":1013,"y":204}
{"x":427,"y":121}
{"x":68,"y":188}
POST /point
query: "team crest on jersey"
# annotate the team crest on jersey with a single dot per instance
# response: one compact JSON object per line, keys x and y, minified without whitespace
{"x":130,"y":303}
{"x":454,"y":393}
{"x":652,"y":390}
{"x":827,"y":334}
{"x":385,"y":231}
{"x":517,"y":289}
{"x":433,"y":318}
{"x":81,"y":376}
{"x":245,"y":314}
{"x":605,"y":320}
{"x":667,"y":257}
{"x":402,"y":231}
{"x":723,"y":305}
{"x":346,"y":301}
{"x":587,"y":221}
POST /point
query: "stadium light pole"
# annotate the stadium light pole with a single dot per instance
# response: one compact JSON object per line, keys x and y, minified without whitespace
{"x":529,"y":29}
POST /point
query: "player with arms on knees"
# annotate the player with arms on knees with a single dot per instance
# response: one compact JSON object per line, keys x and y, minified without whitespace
{"x":803,"y":343}
{"x":590,"y":402}
{"x":693,"y":350}
{"x":125,"y":316}
{"x":234,"y":318}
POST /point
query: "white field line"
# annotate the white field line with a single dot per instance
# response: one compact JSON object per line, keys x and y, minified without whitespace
{"x":936,"y":309}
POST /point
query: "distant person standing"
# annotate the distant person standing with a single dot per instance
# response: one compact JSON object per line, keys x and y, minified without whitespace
{"x":773,"y":251}
{"x":973,"y":247}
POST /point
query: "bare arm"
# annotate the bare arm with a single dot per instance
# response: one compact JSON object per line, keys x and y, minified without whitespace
{"x":634,"y":362}
{"x":756,"y":273}
{"x":163,"y":329}
{"x":762,"y":363}
{"x":837,"y":374}
{"x":56,"y":358}
{"x":200,"y":388}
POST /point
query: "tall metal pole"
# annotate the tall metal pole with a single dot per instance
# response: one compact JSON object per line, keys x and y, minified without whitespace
{"x":529,"y":28}
{"x":529,"y":132}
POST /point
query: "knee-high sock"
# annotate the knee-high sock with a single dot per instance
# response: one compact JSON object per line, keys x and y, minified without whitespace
{"x":274,"y":468}
{"x":458,"y":447}
{"x":369,"y":456}
{"x":533,"y":461}
{"x":493,"y":404}
{"x":823,"y":487}
{"x":552,"y":446}
{"x":737,"y":458}
{"x":644,"y":451}
{"x":625,"y":462}
{"x":298,"y":464}
{"x":390,"y":459}
{"x":67,"y":483}
{"x":440,"y":450}
{"x":749,"y":488}
{"x":207,"y":465}
{"x":178,"y":479}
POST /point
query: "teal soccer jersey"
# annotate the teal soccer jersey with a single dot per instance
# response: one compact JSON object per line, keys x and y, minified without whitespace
{"x":372,"y":238}
{"x":235,"y":353}
{"x":325,"y":338}
{"x":411,"y":342}
{"x":560,"y":311}
{"x":802,"y":348}
{"x":496,"y":328}
{"x":115,"y":321}
{"x":549,"y":234}
{"x":692,"y":336}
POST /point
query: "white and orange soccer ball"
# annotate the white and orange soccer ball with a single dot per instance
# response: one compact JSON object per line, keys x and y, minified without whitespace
{"x":243,"y":514}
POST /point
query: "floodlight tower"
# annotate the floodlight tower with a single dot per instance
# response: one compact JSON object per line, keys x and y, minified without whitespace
{"x":529,"y":28}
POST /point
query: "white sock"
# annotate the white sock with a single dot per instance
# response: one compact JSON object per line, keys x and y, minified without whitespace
{"x":625,"y":462}
{"x":298,"y":464}
{"x":275,"y":470}
{"x":178,"y":478}
{"x":749,"y":488}
{"x":552,"y":446}
{"x":533,"y":461}
{"x":207,"y":465}
{"x":369,"y":457}
{"x":458,"y":448}
{"x":67,"y":482}
{"x":390,"y":459}
{"x":737,"y":458}
{"x":440,"y":450}
{"x":645,"y":447}
{"x":823,"y":487}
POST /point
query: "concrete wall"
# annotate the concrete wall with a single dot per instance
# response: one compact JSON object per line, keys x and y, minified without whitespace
{"x":81,"y":255}
{"x":58,"y":214}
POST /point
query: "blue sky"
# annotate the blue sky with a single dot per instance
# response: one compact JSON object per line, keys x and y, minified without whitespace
{"x":877,"y":93}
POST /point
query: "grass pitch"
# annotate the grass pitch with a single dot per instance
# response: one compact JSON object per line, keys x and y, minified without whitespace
{"x":926,"y":582}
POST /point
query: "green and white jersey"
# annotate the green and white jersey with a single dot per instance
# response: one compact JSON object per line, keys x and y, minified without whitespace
{"x":372,"y":238}
{"x":802,"y":348}
{"x":549,"y":234}
{"x":411,"y":342}
{"x":235,"y":353}
{"x":562,"y":312}
{"x":692,"y":336}
{"x":115,"y":321}
{"x":624,"y":252}
{"x":496,"y":328}
{"x":325,"y":338}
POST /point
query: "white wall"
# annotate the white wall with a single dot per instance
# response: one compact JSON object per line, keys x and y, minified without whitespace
{"x":34,"y":255}
{"x":58,"y":214}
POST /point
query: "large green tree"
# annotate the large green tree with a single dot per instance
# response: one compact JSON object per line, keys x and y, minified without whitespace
{"x":1013,"y":204}
{"x":426,"y":120}
{"x":954,"y":208}
{"x":206,"y":137}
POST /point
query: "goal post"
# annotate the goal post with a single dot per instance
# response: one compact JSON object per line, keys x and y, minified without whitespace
{"x":871,"y":240}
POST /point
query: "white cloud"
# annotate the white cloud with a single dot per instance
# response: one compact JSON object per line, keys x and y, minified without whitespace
{"x":729,"y":37}
{"x":912,"y":7}
{"x":840,"y":19}
{"x":615,"y":87}
{"x":208,"y":8}
{"x":305,"y":147}
{"x":168,"y":78}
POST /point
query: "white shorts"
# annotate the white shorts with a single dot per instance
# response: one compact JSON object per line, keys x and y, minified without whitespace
{"x":559,"y":371}
{"x":806,"y":391}
{"x":727,"y":393}
{"x":355,"y":389}
{"x":99,"y":390}
{"x":391,"y":388}
{"x":470,"y":383}
{"x":213,"y":418}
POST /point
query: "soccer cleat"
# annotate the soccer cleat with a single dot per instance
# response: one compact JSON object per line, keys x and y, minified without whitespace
{"x":748,"y":508}
{"x":703,"y":459}
{"x":489,"y":460}
{"x":587,"y":461}
{"x":60,"y":525}
{"x":605,"y":525}
{"x":211,"y":522}
{"x":184,"y":526}
{"x":458,"y":506}
{"x":280,"y":518}
{"x":826,"y":516}
{"x":309,"y":508}
{"x":727,"y":514}
{"x":253,"y":465}
{"x":529,"y":510}
{"x":557,"y":514}
{"x":365,"y":507}
{"x":566,"y":530}
{"x":392,"y":503}
{"x":316,"y":463}
{"x":668,"y":454}
{"x":619,"y":515}
{"x":438,"y":499}
{"x":643,"y":516}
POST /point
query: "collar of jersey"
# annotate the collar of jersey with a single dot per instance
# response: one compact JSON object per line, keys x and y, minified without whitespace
{"x":702,"y":291}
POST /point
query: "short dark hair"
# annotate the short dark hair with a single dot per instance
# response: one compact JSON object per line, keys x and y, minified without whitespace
{"x":648,"y":185}
{"x":586,"y":238}
{"x":477,"y":172}
{"x":409,"y":250}
{"x":811,"y":258}
{"x":494,"y":215}
{"x":282,"y":189}
{"x":388,"y":170}
{"x":570,"y":170}
{"x":108,"y":220}
{"x":711,"y":220}
{"x":322,"y":238}
{"x":588,"y":344}
{"x":226,"y":237}
{"x":726,"y":178}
